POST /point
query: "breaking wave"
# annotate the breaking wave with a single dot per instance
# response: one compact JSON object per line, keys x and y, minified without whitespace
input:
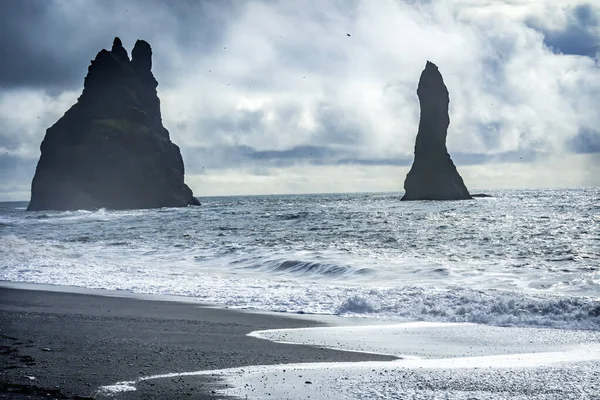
{"x":525,"y":259}
{"x":308,"y":268}
{"x":490,"y":307}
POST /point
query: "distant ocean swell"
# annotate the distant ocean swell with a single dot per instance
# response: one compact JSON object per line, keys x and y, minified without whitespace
{"x":308,"y":268}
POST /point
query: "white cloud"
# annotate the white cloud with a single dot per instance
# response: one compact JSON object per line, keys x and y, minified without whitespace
{"x":498,"y":72}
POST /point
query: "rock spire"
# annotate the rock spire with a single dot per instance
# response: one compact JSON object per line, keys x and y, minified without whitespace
{"x":433,"y":175}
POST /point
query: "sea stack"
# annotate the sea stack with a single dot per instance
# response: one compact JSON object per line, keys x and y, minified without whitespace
{"x":433,"y":175}
{"x":110,"y":149}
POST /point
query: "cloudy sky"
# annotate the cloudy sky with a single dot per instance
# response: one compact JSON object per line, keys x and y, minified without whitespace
{"x":267,"y":96}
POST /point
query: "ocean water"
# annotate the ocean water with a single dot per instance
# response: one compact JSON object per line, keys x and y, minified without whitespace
{"x":521,"y":258}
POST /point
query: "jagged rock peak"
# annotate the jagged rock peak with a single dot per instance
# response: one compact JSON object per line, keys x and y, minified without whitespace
{"x":110,"y":149}
{"x":141,"y":56}
{"x":118,"y":51}
{"x":433,"y":175}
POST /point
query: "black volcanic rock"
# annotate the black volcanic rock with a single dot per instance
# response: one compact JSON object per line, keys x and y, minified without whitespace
{"x":433,"y":175}
{"x":110,"y":149}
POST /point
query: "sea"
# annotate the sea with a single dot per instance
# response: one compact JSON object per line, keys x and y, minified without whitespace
{"x":526,"y":258}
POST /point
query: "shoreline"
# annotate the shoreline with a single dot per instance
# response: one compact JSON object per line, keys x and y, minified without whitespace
{"x":70,"y":344}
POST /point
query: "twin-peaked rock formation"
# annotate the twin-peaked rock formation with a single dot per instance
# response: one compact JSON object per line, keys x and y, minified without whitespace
{"x":433,"y":175}
{"x":110,"y":149}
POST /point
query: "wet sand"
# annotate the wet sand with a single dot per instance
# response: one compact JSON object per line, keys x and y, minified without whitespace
{"x":67,"y":345}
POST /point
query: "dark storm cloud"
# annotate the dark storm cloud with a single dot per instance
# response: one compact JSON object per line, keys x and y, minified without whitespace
{"x":579,"y":37}
{"x":9,"y":162}
{"x":201,"y":159}
{"x":298,"y":152}
{"x":525,"y":156}
{"x":587,"y":141}
{"x":16,"y":172}
{"x":10,"y":141}
{"x":374,"y":162}
{"x":27,"y":60}
{"x":42,"y":43}
{"x":457,"y":157}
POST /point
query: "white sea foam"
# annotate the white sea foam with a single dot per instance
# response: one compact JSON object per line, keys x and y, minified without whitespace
{"x":427,"y":340}
{"x":442,"y":364}
{"x":524,"y":376}
{"x":71,"y":264}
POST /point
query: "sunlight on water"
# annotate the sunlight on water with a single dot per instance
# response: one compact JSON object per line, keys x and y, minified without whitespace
{"x":518,"y":258}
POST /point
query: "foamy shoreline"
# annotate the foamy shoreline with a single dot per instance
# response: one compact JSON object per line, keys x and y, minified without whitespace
{"x":72,"y":344}
{"x":432,"y":353}
{"x":492,"y":363}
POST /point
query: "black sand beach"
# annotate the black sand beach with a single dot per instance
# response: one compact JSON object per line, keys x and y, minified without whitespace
{"x":66,"y":345}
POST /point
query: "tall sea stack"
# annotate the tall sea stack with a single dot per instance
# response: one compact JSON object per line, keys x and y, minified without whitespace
{"x":433,"y":175}
{"x":110,"y":149}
